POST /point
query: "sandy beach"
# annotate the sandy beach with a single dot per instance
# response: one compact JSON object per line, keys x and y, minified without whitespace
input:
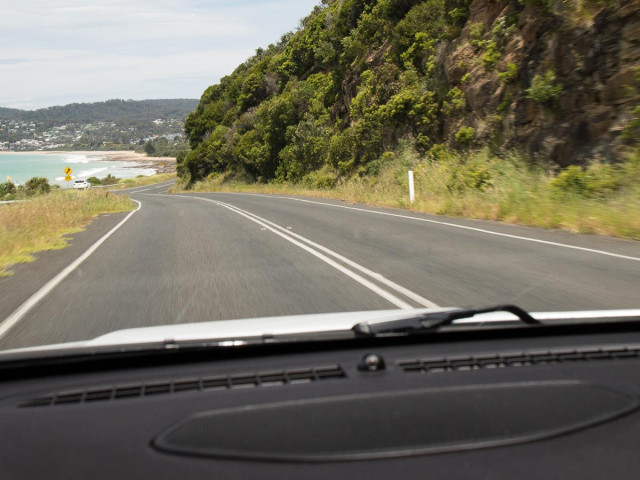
{"x":160,"y":164}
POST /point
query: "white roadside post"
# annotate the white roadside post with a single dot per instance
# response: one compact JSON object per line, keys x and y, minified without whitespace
{"x":412,"y":193}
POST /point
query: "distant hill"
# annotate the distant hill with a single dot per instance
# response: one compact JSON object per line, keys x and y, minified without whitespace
{"x":122,"y":111}
{"x":110,"y":125}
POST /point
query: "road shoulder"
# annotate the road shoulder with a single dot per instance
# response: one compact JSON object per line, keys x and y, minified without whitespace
{"x":28,"y":278}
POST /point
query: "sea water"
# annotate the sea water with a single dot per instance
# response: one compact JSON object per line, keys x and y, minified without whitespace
{"x":18,"y":168}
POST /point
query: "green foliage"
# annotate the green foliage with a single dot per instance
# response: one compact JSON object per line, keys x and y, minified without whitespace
{"x":504,"y":105}
{"x":510,"y":74}
{"x":110,"y":180}
{"x":7,"y":189}
{"x":503,"y":28}
{"x":418,"y":54}
{"x":425,"y":17}
{"x":476,"y":32}
{"x":164,"y":147}
{"x":632,"y":129}
{"x":37,"y":186}
{"x":491,"y":56}
{"x":465,"y":135}
{"x":94,"y":181}
{"x":149,"y":149}
{"x":544,"y":88}
{"x":455,"y":102}
{"x":596,"y":181}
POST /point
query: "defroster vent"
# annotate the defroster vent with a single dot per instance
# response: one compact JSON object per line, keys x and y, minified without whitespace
{"x":524,"y":359}
{"x":221,"y":382}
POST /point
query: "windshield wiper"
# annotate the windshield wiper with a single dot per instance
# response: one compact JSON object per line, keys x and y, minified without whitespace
{"x":431,"y":322}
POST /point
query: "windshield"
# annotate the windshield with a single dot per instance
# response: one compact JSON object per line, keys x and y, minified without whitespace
{"x":177,"y":163}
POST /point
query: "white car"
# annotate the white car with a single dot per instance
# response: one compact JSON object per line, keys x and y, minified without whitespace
{"x":81,"y":184}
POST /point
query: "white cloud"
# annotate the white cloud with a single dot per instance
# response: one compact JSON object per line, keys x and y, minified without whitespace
{"x":62,"y":51}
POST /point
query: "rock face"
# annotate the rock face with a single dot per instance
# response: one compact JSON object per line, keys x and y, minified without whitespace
{"x":595,"y":57}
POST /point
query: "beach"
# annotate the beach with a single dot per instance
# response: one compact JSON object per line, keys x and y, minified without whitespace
{"x":18,"y":167}
{"x":143,"y":161}
{"x":160,"y":164}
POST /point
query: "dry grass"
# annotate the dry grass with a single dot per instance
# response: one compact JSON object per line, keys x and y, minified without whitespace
{"x":142,"y":181}
{"x":41,"y":222}
{"x":476,"y":185}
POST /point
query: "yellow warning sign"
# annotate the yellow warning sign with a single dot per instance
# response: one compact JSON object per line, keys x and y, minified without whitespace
{"x":68,"y":178}
{"x":68,"y":171}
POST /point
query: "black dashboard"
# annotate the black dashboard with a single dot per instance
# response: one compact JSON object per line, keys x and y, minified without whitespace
{"x":516,"y":403}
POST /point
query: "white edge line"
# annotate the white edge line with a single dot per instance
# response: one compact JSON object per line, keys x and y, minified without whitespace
{"x":22,"y":310}
{"x":380,"y":278}
{"x":354,"y":276}
{"x":489,"y":232}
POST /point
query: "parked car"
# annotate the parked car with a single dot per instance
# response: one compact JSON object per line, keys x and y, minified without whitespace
{"x":81,"y":184}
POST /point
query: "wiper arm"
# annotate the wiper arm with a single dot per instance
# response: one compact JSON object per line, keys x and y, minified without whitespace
{"x":431,"y":322}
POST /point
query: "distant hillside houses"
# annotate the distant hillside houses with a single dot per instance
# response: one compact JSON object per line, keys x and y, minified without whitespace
{"x":115,"y":124}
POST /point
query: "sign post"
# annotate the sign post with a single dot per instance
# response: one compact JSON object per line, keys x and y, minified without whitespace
{"x":67,"y":173}
{"x":412,"y":193}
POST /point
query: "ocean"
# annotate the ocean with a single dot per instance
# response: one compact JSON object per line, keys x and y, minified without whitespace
{"x":19,"y":168}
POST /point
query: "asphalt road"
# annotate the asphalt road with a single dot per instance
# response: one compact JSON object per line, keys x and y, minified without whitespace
{"x":202,"y":257}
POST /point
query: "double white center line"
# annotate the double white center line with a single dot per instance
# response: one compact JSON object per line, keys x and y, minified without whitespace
{"x":348,"y":267}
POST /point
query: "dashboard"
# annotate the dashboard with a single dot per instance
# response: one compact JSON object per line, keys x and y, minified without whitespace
{"x":519,"y":403}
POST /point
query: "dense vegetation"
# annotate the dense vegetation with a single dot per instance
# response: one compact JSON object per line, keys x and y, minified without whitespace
{"x":335,"y":98}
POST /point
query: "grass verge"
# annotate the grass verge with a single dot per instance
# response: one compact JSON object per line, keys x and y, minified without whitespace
{"x":142,"y":181}
{"x":599,"y":199}
{"x":42,"y":222}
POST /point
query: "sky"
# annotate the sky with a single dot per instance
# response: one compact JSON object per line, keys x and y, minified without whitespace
{"x":55,"y":52}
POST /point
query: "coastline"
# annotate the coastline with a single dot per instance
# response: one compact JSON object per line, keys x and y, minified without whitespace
{"x":168,"y":163}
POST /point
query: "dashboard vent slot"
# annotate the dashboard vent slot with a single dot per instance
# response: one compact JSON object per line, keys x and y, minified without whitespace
{"x":248,"y":380}
{"x":524,"y":359}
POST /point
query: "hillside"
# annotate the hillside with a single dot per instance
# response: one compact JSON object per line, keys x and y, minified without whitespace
{"x":555,"y":78}
{"x":114,"y":124}
{"x":109,"y":111}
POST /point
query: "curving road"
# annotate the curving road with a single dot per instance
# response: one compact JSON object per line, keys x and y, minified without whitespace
{"x":201,"y":257}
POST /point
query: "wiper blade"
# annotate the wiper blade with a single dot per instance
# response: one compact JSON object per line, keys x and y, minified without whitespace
{"x":431,"y":322}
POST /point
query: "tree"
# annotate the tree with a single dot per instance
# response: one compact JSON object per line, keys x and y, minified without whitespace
{"x":149,"y":148}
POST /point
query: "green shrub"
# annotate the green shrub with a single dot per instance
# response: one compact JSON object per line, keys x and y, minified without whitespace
{"x":455,"y":103}
{"x":503,"y":28}
{"x":464,"y":136}
{"x":6,"y":189}
{"x":94,"y":181}
{"x":491,"y":56}
{"x":572,"y":180}
{"x":596,"y":181}
{"x":476,"y":32}
{"x":504,"y":105}
{"x":37,"y":186}
{"x":510,"y":74}
{"x":319,"y":180}
{"x":544,"y":88}
{"x":109,"y":180}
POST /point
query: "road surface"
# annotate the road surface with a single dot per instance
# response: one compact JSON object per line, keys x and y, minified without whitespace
{"x":214,"y":256}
